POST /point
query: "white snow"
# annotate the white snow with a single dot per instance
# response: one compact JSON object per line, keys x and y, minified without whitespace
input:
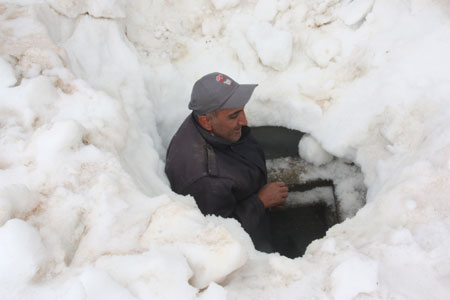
{"x":98,"y":8}
{"x":7,"y":76}
{"x":311,"y":151}
{"x":266,"y":10}
{"x":273,"y":46}
{"x":348,"y":182}
{"x":354,"y":276}
{"x":92,"y":91}
{"x":353,"y":11}
{"x":22,"y":255}
{"x":224,"y":4}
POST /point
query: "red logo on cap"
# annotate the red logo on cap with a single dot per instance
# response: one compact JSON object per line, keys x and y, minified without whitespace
{"x":222,"y":79}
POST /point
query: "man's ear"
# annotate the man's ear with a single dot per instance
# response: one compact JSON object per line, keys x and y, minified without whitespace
{"x":205,"y":122}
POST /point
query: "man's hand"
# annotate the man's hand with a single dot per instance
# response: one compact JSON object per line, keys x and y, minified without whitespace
{"x":273,"y":194}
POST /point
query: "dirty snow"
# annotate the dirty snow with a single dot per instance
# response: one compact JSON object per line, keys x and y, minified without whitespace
{"x":91,"y":92}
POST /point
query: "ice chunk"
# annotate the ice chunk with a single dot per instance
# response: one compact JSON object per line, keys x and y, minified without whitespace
{"x":273,"y":46}
{"x":311,"y":151}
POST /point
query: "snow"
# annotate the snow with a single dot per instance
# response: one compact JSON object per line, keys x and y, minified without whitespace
{"x":311,"y":151}
{"x":98,"y":9}
{"x":273,"y":46}
{"x":355,"y":11}
{"x":92,"y":91}
{"x":348,"y":183}
{"x":7,"y":76}
{"x":22,"y":255}
{"x":224,"y":4}
{"x":266,"y":10}
{"x":354,"y":276}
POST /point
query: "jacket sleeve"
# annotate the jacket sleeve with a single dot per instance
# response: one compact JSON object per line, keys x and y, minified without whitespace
{"x":214,"y":196}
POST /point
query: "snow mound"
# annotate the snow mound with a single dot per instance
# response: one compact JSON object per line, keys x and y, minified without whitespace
{"x":311,"y":151}
{"x":91,"y":92}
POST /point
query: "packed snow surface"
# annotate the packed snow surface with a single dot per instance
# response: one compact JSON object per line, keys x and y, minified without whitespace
{"x":92,"y":91}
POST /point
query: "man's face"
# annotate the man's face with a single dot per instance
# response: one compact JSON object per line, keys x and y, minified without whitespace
{"x":227,"y":123}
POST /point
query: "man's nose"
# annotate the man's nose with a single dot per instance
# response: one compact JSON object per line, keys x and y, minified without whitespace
{"x":242,"y":119}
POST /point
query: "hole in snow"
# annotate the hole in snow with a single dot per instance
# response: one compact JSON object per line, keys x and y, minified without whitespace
{"x":319,"y":197}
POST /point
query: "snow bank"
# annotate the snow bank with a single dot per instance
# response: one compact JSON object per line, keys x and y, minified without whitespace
{"x":92,"y":91}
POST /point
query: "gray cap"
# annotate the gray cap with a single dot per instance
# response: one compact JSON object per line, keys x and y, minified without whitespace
{"x":218,"y":91}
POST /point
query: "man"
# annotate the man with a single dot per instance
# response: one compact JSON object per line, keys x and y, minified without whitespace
{"x":214,"y":158}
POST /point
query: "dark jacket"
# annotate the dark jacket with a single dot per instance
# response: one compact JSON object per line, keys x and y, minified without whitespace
{"x":223,"y":177}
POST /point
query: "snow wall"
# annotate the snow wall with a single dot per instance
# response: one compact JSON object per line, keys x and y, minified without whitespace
{"x":91,"y":92}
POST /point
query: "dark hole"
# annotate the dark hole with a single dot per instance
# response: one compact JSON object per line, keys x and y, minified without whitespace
{"x":294,"y":228}
{"x":277,"y":141}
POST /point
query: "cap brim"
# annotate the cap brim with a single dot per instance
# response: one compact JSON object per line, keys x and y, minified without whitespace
{"x":240,"y":96}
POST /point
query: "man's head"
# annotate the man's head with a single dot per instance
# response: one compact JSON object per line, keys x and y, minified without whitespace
{"x":225,"y":123}
{"x":219,"y":102}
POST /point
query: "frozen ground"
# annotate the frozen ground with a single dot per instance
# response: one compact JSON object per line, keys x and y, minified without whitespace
{"x":91,"y":92}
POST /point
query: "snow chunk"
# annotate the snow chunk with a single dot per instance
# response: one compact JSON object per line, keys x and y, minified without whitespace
{"x":266,"y":10}
{"x":311,"y":151}
{"x":100,"y":286}
{"x":16,"y":201}
{"x":354,"y":276}
{"x":22,"y":253}
{"x":97,"y":8}
{"x":52,"y":142}
{"x":283,"y":5}
{"x":315,"y":84}
{"x":323,"y":50}
{"x":7,"y":76}
{"x":211,"y":26}
{"x":354,"y":11}
{"x":152,"y":274}
{"x":212,"y":252}
{"x":224,"y":4}
{"x":273,"y":46}
{"x":214,"y":291}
